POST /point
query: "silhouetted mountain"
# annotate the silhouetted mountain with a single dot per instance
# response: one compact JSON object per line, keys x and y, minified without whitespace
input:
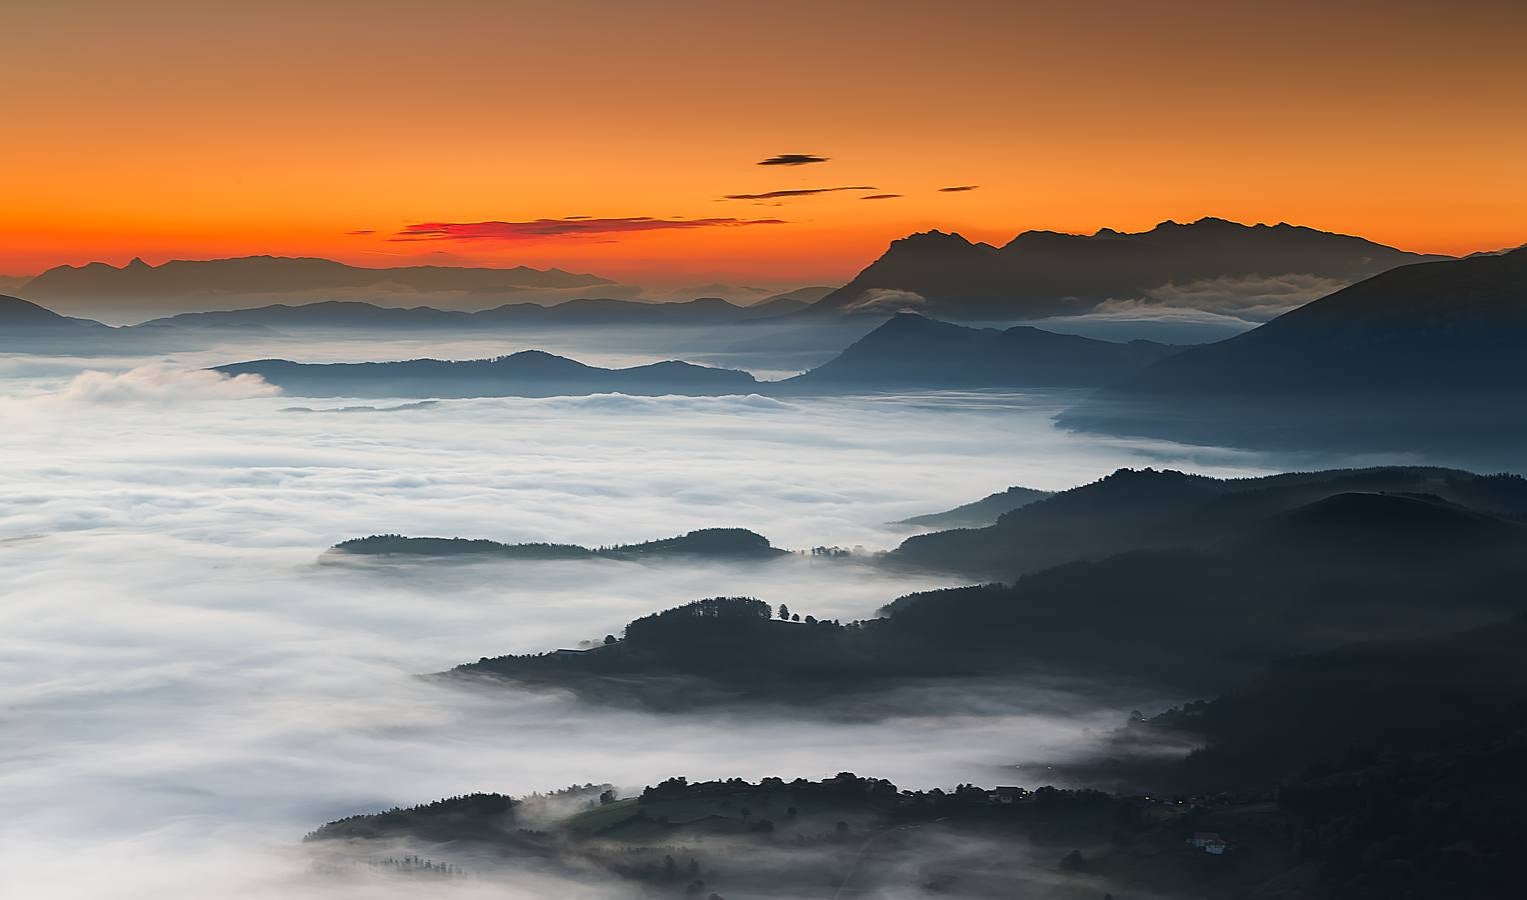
{"x":1044,"y":273}
{"x":1133,"y":510}
{"x":355,"y":315}
{"x":178,"y":282}
{"x":981,"y":513}
{"x":792,"y":301}
{"x":730,"y":543}
{"x":530,"y":373}
{"x":910,"y":351}
{"x":1426,"y":356}
{"x":703,"y":311}
{"x":348,"y":315}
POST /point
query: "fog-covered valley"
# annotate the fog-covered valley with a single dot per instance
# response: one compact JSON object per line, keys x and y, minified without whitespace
{"x":188,"y":688}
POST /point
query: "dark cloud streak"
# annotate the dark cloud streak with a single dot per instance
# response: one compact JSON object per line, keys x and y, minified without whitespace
{"x":800,"y":192}
{"x":793,"y":159}
{"x":958,"y":188}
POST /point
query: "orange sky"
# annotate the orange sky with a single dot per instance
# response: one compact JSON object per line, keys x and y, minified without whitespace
{"x":171,"y":129}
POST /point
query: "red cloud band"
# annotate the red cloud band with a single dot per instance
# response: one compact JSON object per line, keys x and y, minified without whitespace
{"x":569,"y":227}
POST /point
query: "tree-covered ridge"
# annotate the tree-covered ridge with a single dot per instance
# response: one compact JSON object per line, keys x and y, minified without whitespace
{"x":479,"y":815}
{"x":1211,"y":582}
{"x":1379,"y":771}
{"x":726,"y":542}
{"x":846,"y":833}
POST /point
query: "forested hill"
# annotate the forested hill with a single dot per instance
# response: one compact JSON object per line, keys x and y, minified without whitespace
{"x":735,"y":543}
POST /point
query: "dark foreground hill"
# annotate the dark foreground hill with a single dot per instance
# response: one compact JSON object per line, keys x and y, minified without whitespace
{"x":1044,"y":273}
{"x":1377,"y":771}
{"x":910,"y":351}
{"x":724,"y":543}
{"x":1423,"y":357}
{"x":844,"y":835}
{"x":530,"y":373}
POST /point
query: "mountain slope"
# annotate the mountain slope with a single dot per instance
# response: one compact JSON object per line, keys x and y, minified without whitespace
{"x":27,"y":326}
{"x":1150,"y":509}
{"x":979,"y":513}
{"x":1043,"y":273}
{"x":1424,"y":354}
{"x":18,"y":314}
{"x":911,"y":351}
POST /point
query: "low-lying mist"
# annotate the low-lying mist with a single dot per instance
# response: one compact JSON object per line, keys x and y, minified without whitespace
{"x":185,"y":689}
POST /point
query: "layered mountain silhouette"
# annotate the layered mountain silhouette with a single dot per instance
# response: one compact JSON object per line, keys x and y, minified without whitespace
{"x":911,"y":351}
{"x":181,"y":284}
{"x":530,"y":373}
{"x":1426,"y":356}
{"x":906,"y":352}
{"x":1045,"y":273}
{"x":355,"y":315}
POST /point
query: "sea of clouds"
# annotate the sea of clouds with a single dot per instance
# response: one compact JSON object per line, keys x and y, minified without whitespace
{"x":186,"y":687}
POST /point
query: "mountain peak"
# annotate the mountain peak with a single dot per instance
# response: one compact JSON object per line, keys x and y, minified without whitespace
{"x":933,"y":239}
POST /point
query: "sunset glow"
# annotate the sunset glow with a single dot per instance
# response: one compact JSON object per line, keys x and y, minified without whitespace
{"x":187,"y":130}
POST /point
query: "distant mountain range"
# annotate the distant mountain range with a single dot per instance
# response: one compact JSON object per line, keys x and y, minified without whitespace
{"x":220,"y":283}
{"x":358,"y":316}
{"x":1045,"y":273}
{"x":911,"y":351}
{"x":906,"y":352}
{"x":1426,"y":356}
